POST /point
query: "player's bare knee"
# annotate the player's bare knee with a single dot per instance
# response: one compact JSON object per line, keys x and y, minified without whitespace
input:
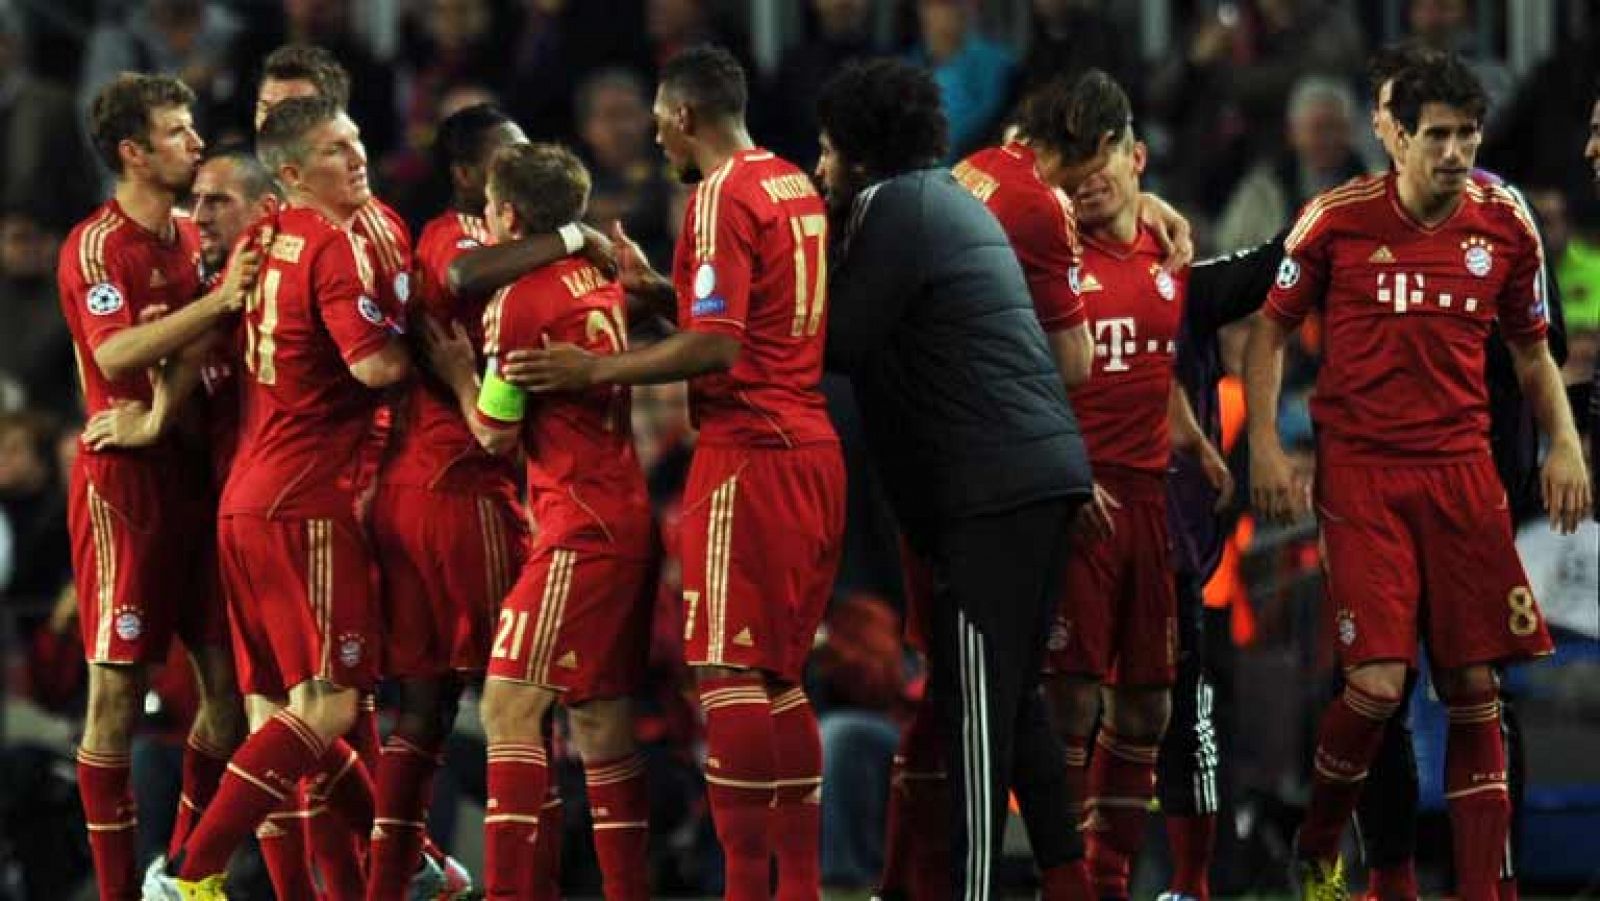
{"x":1139,"y":713}
{"x":1467,"y":681}
{"x":1384,"y":680}
{"x":1074,"y":702}
{"x":514,"y":711}
{"x":329,"y":710}
{"x":602,"y":729}
{"x":420,"y":720}
{"x":705,"y":673}
{"x":116,"y":696}
{"x":220,"y":722}
{"x":260,"y":708}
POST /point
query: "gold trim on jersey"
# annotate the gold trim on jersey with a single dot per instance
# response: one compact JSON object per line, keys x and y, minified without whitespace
{"x":358,"y":248}
{"x":92,"y":246}
{"x":383,"y":238}
{"x":1499,"y":194}
{"x":719,"y":538}
{"x":706,"y":201}
{"x":552,"y":606}
{"x":102,"y":523}
{"x":491,"y":322}
{"x":319,"y":586}
{"x":1361,"y":189}
{"x":495,"y":553}
{"x":474,"y":227}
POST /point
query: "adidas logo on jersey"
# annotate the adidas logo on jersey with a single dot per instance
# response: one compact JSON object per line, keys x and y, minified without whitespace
{"x":1381,"y":255}
{"x":569,"y":660}
{"x":743,"y":639}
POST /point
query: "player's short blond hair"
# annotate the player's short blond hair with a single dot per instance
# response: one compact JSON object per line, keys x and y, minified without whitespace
{"x":546,"y":184}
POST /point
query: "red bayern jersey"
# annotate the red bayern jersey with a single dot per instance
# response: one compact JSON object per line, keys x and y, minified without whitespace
{"x":1406,"y":310}
{"x":110,"y":270}
{"x":305,"y":441}
{"x":433,"y":448}
{"x":751,"y":262}
{"x":1037,"y":218}
{"x":584,"y":480}
{"x":390,"y":240}
{"x":1134,"y":308}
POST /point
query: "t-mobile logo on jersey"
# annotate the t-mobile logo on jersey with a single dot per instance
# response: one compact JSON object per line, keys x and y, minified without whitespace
{"x":1112,"y":339}
{"x":1404,"y":290}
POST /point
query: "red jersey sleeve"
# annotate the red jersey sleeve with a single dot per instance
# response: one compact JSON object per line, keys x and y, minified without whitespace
{"x":101,"y":283}
{"x":724,"y":251}
{"x":342,"y":283}
{"x":1521,"y":305}
{"x":1302,"y":278}
{"x":1047,"y":248}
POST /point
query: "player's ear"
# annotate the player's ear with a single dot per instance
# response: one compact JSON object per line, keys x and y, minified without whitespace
{"x":130,"y":151}
{"x":1141,"y":156}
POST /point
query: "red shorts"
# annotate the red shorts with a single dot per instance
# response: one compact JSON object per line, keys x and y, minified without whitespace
{"x":762,"y":530}
{"x":1425,"y":551}
{"x":1118,"y":616}
{"x":577,"y":622}
{"x":143,"y":560}
{"x":447,"y":561}
{"x":301,"y":602}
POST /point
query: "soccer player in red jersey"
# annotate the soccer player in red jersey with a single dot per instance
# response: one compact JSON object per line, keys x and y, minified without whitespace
{"x":764,"y":504}
{"x":448,"y":528}
{"x":576,"y":627}
{"x":1412,"y":269}
{"x":294,"y":556}
{"x":130,"y":522}
{"x":1117,"y":621}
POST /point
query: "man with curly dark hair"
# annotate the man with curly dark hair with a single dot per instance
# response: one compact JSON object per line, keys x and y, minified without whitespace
{"x":969,"y":423}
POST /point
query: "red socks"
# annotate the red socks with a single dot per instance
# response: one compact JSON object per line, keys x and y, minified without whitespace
{"x":1475,"y":792}
{"x":262,"y":775}
{"x":1122,"y":783}
{"x":405,"y":786}
{"x":1347,"y":741}
{"x":619,"y":803}
{"x":797,"y":806}
{"x":547,"y":844}
{"x":1191,"y":840}
{"x":340,"y":833}
{"x":1396,"y":883}
{"x":282,"y":837}
{"x":203,"y":767}
{"x":740,"y":768}
{"x":109,"y":812}
{"x":519,"y":775}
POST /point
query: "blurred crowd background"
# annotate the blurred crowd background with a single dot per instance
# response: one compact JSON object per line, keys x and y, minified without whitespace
{"x":1249,"y":109}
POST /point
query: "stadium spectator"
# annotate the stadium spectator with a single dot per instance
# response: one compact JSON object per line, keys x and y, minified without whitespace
{"x":33,"y":506}
{"x":843,"y":32}
{"x":41,"y":135}
{"x":36,"y":357}
{"x":186,"y":38}
{"x":973,"y":72}
{"x":1320,"y":154}
{"x":630,"y":179}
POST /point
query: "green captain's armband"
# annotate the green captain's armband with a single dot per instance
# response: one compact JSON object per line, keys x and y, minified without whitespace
{"x":499,"y":399}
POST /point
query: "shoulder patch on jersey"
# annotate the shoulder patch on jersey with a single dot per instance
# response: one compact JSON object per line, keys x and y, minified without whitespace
{"x":369,"y":310}
{"x":467,"y":243}
{"x":705,"y":281}
{"x":1288,"y":273}
{"x":709,"y":306}
{"x":402,"y":286}
{"x":104,"y":299}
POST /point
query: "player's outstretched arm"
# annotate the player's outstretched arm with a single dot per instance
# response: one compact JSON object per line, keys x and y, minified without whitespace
{"x":148,"y":343}
{"x":1275,"y":490}
{"x":481,"y":272}
{"x":1564,"y":479}
{"x":565,"y":367}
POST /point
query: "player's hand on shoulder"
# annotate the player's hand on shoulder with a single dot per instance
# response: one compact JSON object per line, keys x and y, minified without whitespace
{"x":1171,"y":229}
{"x":128,"y":423}
{"x":243,"y":265}
{"x":1095,"y":520}
{"x":600,"y":250}
{"x":556,"y":367}
{"x":1566,"y":487}
{"x":1278,"y":489}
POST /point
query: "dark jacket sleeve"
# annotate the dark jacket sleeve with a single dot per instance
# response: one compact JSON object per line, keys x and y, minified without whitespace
{"x":874,"y":275}
{"x":1225,"y":289}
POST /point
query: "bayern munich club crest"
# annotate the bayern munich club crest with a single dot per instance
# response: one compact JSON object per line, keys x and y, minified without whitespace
{"x":1165,"y":286}
{"x":350,"y":649}
{"x":128,"y":624}
{"x":1480,"y":256}
{"x":1288,"y":273}
{"x":1347,"y":628}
